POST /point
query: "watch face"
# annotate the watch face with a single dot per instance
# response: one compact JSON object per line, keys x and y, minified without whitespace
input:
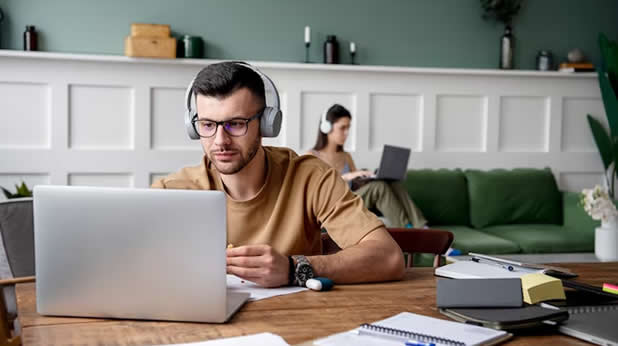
{"x":304,"y":272}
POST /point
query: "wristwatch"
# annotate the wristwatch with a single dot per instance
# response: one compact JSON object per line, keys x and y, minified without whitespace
{"x":303,"y":270}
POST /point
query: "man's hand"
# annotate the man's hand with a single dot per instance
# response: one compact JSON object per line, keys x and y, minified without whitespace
{"x":258,"y":263}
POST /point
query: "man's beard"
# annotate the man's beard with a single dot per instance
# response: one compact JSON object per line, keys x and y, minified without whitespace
{"x":240,"y":164}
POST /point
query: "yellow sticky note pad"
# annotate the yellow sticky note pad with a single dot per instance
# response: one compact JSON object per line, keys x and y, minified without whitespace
{"x":538,"y":287}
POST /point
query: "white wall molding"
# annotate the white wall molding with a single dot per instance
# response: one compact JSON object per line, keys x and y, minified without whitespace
{"x":113,"y":120}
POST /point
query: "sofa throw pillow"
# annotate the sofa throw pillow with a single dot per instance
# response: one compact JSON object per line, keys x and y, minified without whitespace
{"x":442,"y":195}
{"x":518,"y":196}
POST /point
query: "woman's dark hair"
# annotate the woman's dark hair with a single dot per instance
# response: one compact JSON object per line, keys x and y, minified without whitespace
{"x":334,"y":113}
{"x":222,"y":79}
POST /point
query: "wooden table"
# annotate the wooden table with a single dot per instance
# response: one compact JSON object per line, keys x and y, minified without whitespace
{"x":298,"y":318}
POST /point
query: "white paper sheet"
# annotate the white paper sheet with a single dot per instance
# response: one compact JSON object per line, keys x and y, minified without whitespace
{"x":252,"y":340}
{"x":237,"y":284}
{"x":473,"y":270}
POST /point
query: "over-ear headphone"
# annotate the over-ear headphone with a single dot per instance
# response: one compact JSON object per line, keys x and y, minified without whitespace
{"x":325,"y":125}
{"x":270,"y":121}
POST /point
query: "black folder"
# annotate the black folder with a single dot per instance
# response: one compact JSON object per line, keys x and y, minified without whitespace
{"x":530,"y":316}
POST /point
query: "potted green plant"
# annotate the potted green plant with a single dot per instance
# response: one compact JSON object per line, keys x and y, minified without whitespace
{"x":607,"y":142}
{"x":21,"y":191}
{"x":503,"y":11}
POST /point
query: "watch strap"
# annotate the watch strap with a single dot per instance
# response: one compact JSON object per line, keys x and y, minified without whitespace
{"x":292,"y":272}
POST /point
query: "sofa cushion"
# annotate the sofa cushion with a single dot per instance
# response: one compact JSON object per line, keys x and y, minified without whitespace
{"x":470,"y":240}
{"x":442,"y":195}
{"x":518,"y":196}
{"x":544,"y":238}
{"x":575,"y":217}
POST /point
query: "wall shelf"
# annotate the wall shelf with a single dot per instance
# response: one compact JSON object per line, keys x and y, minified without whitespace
{"x":295,"y":66}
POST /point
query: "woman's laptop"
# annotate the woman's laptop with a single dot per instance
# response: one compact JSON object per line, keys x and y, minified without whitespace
{"x":393,"y":165}
{"x":132,"y":253}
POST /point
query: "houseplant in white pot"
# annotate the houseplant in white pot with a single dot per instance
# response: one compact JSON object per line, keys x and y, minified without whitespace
{"x":599,"y":206}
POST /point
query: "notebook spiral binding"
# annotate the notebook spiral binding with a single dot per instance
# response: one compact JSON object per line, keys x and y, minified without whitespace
{"x":591,"y":308}
{"x":376,"y":330}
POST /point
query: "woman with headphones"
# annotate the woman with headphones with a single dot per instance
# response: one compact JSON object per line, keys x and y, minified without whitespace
{"x":390,"y":198}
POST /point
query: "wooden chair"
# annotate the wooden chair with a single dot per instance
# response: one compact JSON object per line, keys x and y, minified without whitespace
{"x":17,"y":236}
{"x":7,"y":330}
{"x":415,"y":240}
{"x":410,"y":240}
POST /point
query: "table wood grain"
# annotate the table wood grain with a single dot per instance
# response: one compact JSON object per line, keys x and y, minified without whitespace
{"x":298,"y":318}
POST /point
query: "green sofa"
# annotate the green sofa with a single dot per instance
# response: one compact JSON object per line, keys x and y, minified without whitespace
{"x":502,"y":211}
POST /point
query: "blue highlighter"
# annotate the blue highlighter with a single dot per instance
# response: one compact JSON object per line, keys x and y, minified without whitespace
{"x":320,"y":284}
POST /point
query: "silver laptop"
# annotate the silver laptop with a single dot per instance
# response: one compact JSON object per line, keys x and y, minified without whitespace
{"x":132,"y":253}
{"x":598,"y":327}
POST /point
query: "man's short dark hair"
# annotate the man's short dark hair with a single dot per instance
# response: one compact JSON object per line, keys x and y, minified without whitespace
{"x":222,"y":79}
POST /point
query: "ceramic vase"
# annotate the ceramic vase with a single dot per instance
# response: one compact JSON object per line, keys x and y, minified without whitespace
{"x":606,"y":241}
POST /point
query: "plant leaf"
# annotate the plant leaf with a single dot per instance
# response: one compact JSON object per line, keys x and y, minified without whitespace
{"x":603,"y":141}
{"x":610,"y":102}
{"x":609,"y":60}
{"x":23,"y":190}
{"x":8,"y":194}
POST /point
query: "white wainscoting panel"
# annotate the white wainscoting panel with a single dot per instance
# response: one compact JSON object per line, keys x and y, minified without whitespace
{"x":118,"y":121}
{"x":104,"y":180}
{"x":524,"y":124}
{"x":577,"y":181}
{"x":574,"y":119}
{"x":395,"y":120}
{"x":461,"y":123}
{"x":167,"y":123}
{"x":101,"y":117}
{"x":24,"y":115}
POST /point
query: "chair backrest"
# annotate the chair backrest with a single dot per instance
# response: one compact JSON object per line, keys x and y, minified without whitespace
{"x":410,"y":240}
{"x":432,"y":241}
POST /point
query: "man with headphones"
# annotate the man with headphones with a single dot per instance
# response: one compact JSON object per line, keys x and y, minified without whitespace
{"x":277,"y":201}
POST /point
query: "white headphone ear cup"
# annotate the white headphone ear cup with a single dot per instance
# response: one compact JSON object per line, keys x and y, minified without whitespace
{"x":189,"y":125}
{"x":325,"y":126}
{"x":270,"y":122}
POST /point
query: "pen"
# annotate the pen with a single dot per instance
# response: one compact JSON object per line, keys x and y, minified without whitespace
{"x":418,"y":343}
{"x":505,"y":266}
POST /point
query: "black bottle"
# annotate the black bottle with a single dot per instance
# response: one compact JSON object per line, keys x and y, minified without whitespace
{"x":506,"y":49}
{"x":30,"y":38}
{"x":331,"y":50}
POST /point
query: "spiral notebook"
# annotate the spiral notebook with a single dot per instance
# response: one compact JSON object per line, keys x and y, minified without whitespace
{"x":406,"y":326}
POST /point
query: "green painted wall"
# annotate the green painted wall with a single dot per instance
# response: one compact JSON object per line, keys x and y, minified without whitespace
{"x":424,"y":33}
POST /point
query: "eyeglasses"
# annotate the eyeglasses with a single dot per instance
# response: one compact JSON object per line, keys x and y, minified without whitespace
{"x":236,"y":127}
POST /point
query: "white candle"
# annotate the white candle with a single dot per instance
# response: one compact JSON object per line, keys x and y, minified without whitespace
{"x":307,"y":34}
{"x":352,"y":47}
